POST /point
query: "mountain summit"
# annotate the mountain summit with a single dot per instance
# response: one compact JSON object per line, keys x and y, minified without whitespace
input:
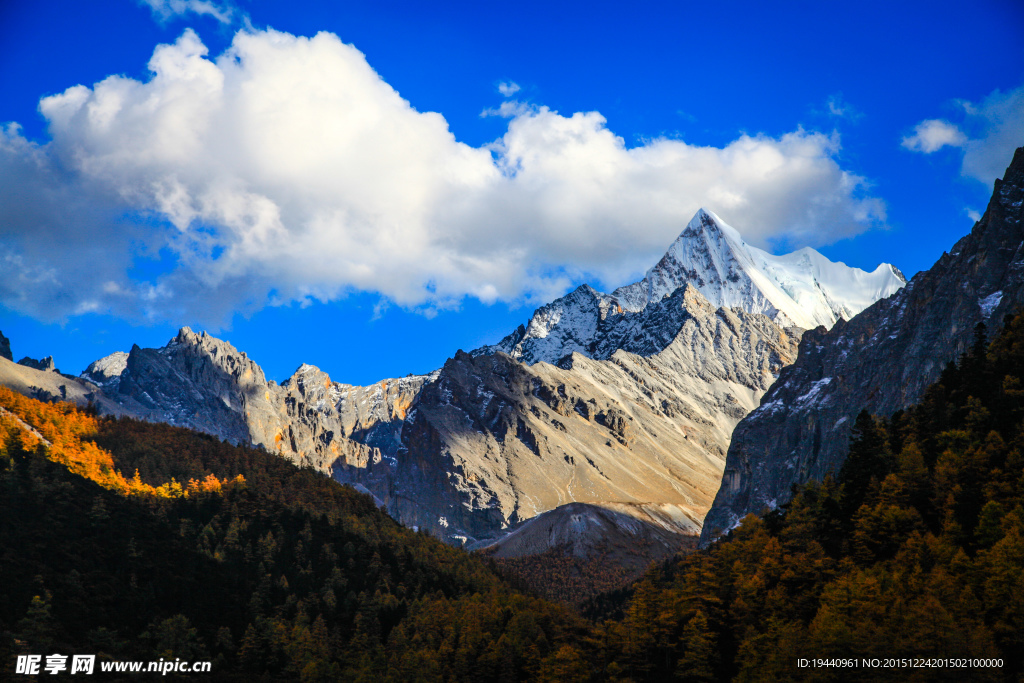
{"x":802,"y":289}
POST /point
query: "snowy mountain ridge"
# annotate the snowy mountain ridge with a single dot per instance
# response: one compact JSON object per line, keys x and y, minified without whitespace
{"x":802,"y":289}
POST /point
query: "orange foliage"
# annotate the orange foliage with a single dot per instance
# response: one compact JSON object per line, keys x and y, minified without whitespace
{"x":67,"y":429}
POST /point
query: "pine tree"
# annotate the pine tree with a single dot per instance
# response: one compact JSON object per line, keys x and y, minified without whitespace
{"x":38,"y":628}
{"x":868,"y":460}
{"x":698,"y":663}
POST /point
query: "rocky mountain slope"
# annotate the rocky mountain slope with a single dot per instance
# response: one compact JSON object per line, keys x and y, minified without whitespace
{"x":205,"y":383}
{"x":881,"y":360}
{"x":493,"y":441}
{"x":624,"y":400}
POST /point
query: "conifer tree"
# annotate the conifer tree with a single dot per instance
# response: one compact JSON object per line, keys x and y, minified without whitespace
{"x":697,"y":665}
{"x":868,"y":460}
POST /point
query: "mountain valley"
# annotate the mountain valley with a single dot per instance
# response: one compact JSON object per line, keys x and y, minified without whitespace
{"x":625,"y":401}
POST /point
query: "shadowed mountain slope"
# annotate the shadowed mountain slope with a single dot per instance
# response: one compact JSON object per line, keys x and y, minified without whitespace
{"x":881,"y":361}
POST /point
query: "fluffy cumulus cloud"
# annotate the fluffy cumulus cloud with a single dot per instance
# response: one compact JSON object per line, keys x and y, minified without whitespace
{"x":286,"y":169}
{"x":988,"y":133}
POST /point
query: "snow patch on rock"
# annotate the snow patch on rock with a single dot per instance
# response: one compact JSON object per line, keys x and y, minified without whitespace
{"x":106,"y":370}
{"x":989,"y":303}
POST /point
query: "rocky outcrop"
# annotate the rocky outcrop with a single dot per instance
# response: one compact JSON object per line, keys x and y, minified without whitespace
{"x":45,"y":365}
{"x":332,"y":426}
{"x":106,"y":372}
{"x":196,"y":381}
{"x":881,"y":360}
{"x":5,"y":347}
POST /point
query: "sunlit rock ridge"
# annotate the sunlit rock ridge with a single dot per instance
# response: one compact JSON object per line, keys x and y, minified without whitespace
{"x":624,"y":400}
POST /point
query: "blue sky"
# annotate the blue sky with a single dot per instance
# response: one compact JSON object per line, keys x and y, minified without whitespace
{"x":420,"y":176}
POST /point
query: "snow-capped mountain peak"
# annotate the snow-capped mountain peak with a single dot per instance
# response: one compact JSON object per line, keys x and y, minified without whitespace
{"x":705,"y":254}
{"x":802,"y":289}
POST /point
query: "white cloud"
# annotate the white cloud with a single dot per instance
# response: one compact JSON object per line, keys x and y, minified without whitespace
{"x":165,"y":10}
{"x":287,"y":170}
{"x":508,"y":88}
{"x":988,"y":134}
{"x":973,"y":215}
{"x":996,"y":128}
{"x":932,"y":135}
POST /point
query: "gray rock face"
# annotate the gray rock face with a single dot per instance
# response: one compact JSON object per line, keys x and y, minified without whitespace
{"x":46,"y":364}
{"x":332,"y":426}
{"x":881,"y":360}
{"x":596,"y":325}
{"x":5,"y":347}
{"x":196,"y":381}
